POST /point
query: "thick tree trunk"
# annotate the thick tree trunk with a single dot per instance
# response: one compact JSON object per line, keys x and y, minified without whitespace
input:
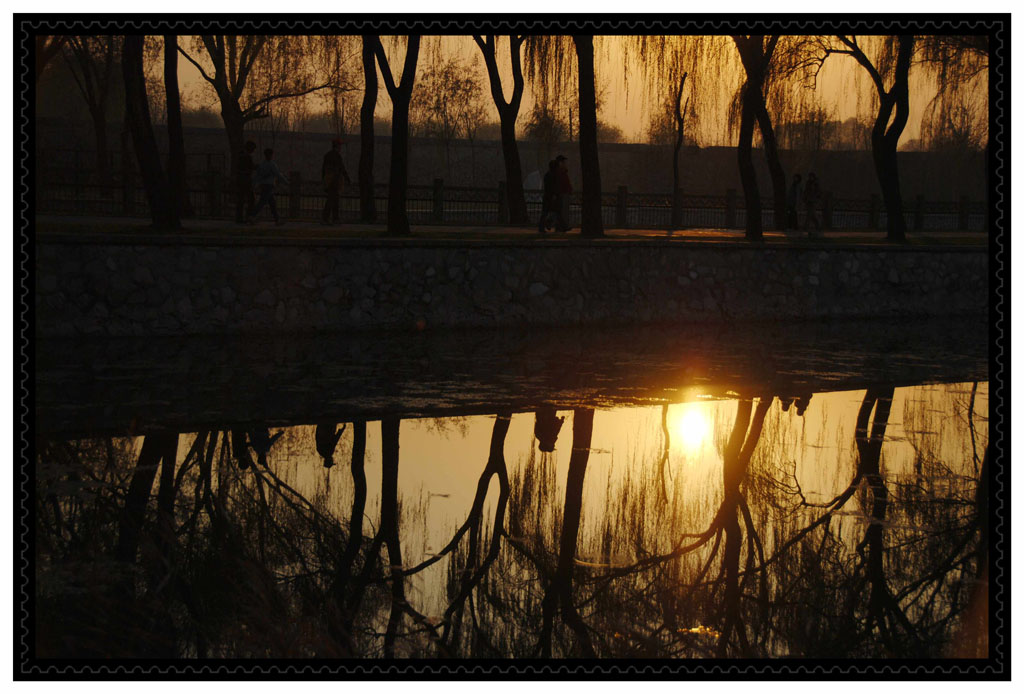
{"x":398,"y":178}
{"x":389,"y":527}
{"x":771,"y":153}
{"x":175,"y":133}
{"x":591,"y":224}
{"x":367,"y":207}
{"x":513,"y":170}
{"x":165,"y":495}
{"x":887,"y":167}
{"x":154,"y":447}
{"x":398,"y":217}
{"x":560,"y":590}
{"x":234,"y":129}
{"x":141,"y":127}
{"x":748,"y":177}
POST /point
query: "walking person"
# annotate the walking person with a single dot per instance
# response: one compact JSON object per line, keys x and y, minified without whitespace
{"x":812,"y":196}
{"x":327,"y":440}
{"x":792,"y":200}
{"x":265,"y":179}
{"x":261,"y":441}
{"x":549,"y":197}
{"x":334,"y":177}
{"x":564,"y":189}
{"x":244,"y":168}
{"x":546,"y":427}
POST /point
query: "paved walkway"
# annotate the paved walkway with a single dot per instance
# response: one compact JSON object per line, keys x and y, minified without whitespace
{"x":205,"y":230}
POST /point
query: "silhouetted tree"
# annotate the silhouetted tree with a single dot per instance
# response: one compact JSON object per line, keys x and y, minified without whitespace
{"x":401,"y":94}
{"x":367,"y":206}
{"x":252,"y":72}
{"x":92,"y":62}
{"x":591,"y":223}
{"x":448,"y":104}
{"x":892,"y":65}
{"x":756,"y":54}
{"x":389,"y":428}
{"x":559,"y":591}
{"x":175,"y":134}
{"x":162,"y":212}
{"x":508,"y":113}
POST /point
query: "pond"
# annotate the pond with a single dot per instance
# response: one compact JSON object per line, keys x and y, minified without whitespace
{"x":800,"y":491}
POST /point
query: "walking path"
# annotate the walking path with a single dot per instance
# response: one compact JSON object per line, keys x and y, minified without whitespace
{"x":214,"y":230}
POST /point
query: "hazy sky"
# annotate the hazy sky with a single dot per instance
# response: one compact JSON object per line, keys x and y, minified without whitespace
{"x":842,"y":88}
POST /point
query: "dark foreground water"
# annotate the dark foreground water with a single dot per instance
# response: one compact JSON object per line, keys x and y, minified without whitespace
{"x":774,"y":491}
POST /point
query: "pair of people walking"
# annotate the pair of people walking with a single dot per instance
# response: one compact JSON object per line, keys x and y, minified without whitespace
{"x":262,"y":178}
{"x":265,"y":177}
{"x":810,"y":195}
{"x":555,"y":202}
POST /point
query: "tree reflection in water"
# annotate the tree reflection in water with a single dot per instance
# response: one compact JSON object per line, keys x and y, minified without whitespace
{"x":232,"y":556}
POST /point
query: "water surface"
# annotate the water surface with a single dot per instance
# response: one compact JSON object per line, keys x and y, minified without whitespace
{"x":811,"y":492}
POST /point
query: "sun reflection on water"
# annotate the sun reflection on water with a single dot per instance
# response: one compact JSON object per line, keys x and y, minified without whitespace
{"x":690,"y":425}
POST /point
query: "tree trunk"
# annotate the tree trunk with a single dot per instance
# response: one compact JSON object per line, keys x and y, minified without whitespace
{"x":591,"y":224}
{"x":748,"y":177}
{"x":398,"y":217}
{"x":165,"y":495}
{"x":398,"y":179}
{"x":367,"y":207}
{"x":154,"y":446}
{"x":234,"y":129}
{"x":389,"y":526}
{"x":513,"y":170}
{"x":141,"y":127}
{"x":175,"y":133}
{"x":771,"y":153}
{"x":883,"y":151}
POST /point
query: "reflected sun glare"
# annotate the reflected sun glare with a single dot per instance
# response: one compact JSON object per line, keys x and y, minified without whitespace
{"x":689,"y":425}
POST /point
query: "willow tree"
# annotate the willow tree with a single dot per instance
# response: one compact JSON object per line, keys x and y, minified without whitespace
{"x":888,"y":68}
{"x":401,"y":94}
{"x":508,"y":113}
{"x":957,"y":117}
{"x":682,"y":83}
{"x":250,"y":73}
{"x":756,"y":53}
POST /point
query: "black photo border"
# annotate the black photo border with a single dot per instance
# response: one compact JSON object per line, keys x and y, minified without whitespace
{"x":996,"y":667}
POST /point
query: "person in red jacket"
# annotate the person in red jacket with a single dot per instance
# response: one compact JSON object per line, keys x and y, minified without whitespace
{"x":563,"y":188}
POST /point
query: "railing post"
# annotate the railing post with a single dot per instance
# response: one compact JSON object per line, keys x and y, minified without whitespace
{"x":730,"y":208}
{"x":503,"y":215}
{"x":677,"y":208}
{"x":294,"y":194}
{"x":826,"y":210}
{"x":873,"y":213}
{"x":963,"y":213}
{"x":919,"y":213}
{"x":437,"y":215}
{"x":214,"y":183}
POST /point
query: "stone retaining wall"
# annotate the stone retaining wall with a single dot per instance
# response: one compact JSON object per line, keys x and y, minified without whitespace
{"x":114,"y":288}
